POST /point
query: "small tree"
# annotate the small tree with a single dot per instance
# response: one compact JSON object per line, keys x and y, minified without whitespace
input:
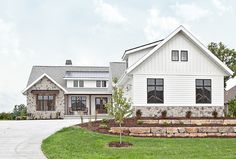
{"x":119,"y":107}
{"x":232,"y":107}
{"x":19,"y":110}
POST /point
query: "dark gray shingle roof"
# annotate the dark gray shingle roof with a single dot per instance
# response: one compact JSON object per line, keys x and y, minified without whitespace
{"x":57,"y":73}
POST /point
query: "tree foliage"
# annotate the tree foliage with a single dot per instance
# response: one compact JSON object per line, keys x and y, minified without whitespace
{"x":232,"y":107}
{"x":226,"y":55}
{"x":19,"y":111}
{"x":119,"y":107}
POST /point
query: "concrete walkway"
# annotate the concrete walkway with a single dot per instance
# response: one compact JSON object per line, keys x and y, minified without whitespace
{"x":22,"y":139}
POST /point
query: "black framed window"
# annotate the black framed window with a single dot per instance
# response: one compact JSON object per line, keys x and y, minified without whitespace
{"x":100,"y":105}
{"x":104,"y":83}
{"x":81,"y":83}
{"x":175,"y":55}
{"x":78,"y":103}
{"x":127,"y":63}
{"x":203,"y":91}
{"x":75,"y":83}
{"x":45,"y":103}
{"x":155,"y":90}
{"x":98,"y":83}
{"x":184,"y":55}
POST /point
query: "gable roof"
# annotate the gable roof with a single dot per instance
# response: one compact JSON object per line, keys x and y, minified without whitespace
{"x":230,"y":94}
{"x":193,"y":39}
{"x":57,"y":73}
{"x":141,"y":47}
{"x":38,"y":79}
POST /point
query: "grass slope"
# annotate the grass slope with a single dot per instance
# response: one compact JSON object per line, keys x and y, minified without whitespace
{"x":77,"y":143}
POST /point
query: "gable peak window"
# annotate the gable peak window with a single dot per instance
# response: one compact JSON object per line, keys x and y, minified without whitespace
{"x":175,"y":55}
{"x":155,"y":90}
{"x":203,"y":91}
{"x":184,"y":55}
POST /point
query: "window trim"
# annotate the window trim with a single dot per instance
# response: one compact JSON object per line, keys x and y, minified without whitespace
{"x":172,"y":53}
{"x":155,"y":89}
{"x":181,"y":53}
{"x":203,"y":87}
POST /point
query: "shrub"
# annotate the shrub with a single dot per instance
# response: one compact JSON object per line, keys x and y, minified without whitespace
{"x":6,"y":116}
{"x":164,"y":114}
{"x":215,"y":114}
{"x":139,"y":122}
{"x":103,"y":126}
{"x":104,"y":121}
{"x":232,"y":107}
{"x":138,"y":114}
{"x":188,"y":114}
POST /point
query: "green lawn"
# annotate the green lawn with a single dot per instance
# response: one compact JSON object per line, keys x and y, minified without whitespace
{"x":77,"y":143}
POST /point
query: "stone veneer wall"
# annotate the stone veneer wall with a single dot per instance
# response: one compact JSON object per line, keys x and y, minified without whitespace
{"x":180,"y":111}
{"x":45,"y":84}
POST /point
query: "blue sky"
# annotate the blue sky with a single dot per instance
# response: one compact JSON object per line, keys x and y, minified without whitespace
{"x":95,"y":32}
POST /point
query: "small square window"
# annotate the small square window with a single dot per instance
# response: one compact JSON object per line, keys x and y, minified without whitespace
{"x":175,"y":55}
{"x":98,"y":83}
{"x":104,"y":83}
{"x":75,"y":83}
{"x":81,"y":83}
{"x":184,"y":55}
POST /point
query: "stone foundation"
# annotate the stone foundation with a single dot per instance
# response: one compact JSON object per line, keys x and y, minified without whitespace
{"x":180,"y":111}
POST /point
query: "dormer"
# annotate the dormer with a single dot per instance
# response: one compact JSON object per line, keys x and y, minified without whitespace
{"x":87,"y":79}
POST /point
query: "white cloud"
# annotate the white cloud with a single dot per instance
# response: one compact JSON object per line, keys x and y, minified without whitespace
{"x":221,"y":7}
{"x":109,"y":13}
{"x":158,"y":25}
{"x":13,"y":63}
{"x":190,"y":12}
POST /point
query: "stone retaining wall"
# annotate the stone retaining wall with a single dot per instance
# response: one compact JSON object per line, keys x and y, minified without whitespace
{"x":180,"y":111}
{"x":190,"y":121}
{"x":198,"y":131}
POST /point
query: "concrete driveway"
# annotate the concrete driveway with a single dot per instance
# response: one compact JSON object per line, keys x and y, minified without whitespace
{"x":22,"y":139}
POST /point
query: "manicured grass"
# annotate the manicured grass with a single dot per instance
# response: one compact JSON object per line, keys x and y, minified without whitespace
{"x":77,"y":143}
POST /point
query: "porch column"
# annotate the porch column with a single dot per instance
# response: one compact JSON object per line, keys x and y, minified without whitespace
{"x":90,"y":104}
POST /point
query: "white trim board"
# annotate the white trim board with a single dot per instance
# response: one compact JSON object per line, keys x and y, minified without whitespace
{"x":43,"y":75}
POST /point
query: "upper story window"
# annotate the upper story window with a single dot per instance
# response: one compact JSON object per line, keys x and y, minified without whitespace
{"x":75,"y":83}
{"x":45,"y":103}
{"x":184,"y":55}
{"x":203,"y":91}
{"x":175,"y":55}
{"x":98,"y":83}
{"x":101,"y":83}
{"x":155,"y":90}
{"x":81,"y":83}
{"x":127,"y":63}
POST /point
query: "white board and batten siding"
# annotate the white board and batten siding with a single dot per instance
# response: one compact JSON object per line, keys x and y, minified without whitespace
{"x":179,"y":77}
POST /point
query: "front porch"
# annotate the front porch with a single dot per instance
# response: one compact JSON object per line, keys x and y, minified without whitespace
{"x":87,"y":105}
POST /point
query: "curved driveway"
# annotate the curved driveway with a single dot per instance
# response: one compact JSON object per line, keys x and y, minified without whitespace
{"x":22,"y":139}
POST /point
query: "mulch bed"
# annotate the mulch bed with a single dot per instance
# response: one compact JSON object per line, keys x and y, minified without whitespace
{"x":118,"y":144}
{"x":132,"y":122}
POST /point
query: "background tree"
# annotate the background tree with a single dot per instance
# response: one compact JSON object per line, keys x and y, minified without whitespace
{"x":119,"y":107}
{"x":19,"y":111}
{"x":226,"y":55}
{"x":232,"y":107}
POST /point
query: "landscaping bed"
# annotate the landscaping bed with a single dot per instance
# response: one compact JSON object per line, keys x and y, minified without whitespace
{"x":75,"y":142}
{"x":167,"y":127}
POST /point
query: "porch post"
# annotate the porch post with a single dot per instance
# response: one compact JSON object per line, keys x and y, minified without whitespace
{"x":90,"y":104}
